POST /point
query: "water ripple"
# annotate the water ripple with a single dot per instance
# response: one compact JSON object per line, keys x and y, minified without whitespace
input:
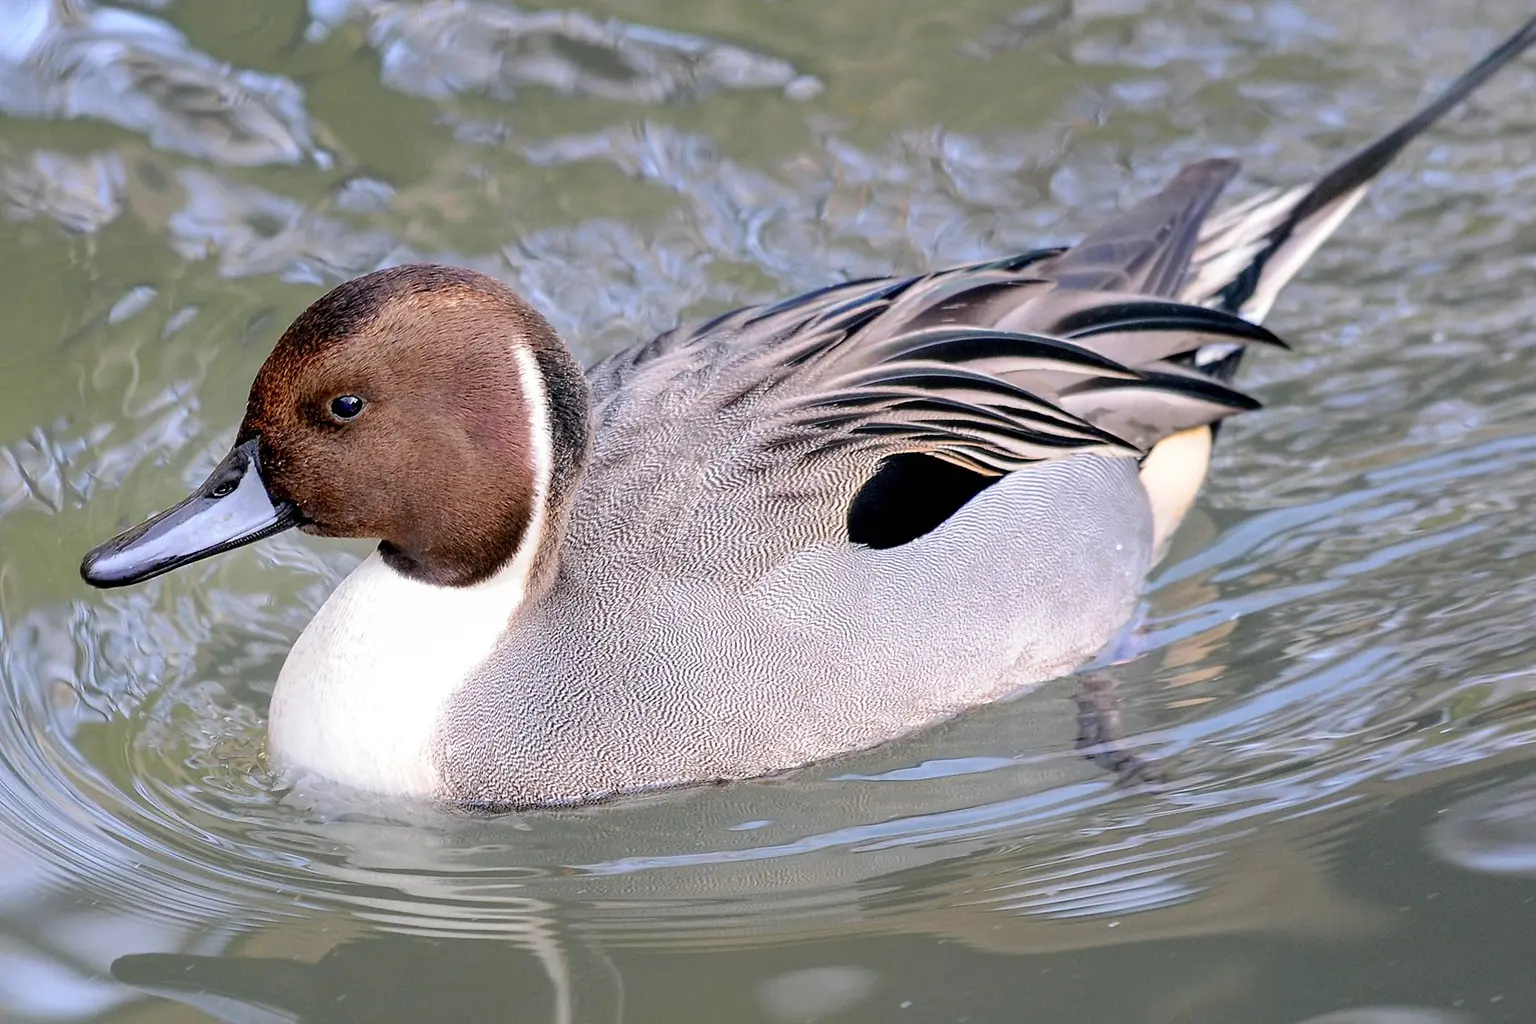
{"x":80,"y":60}
{"x":444,"y":48}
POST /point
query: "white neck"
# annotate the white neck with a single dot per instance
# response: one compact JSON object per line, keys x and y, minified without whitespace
{"x":360,"y":698}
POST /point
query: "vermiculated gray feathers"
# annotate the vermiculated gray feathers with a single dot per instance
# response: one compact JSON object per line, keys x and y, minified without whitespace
{"x":711,"y":618}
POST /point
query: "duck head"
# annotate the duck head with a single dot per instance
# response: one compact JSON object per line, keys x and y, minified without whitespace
{"x":428,"y":407}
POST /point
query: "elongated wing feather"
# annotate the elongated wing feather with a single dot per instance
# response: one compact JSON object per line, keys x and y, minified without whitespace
{"x":918,"y":370}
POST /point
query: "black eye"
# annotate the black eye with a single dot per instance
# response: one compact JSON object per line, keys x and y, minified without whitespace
{"x":346,"y":407}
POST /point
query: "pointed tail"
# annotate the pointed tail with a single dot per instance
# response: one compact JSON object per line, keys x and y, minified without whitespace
{"x":1247,"y":254}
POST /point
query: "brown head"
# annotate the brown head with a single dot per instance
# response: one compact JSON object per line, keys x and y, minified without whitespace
{"x":429,"y":407}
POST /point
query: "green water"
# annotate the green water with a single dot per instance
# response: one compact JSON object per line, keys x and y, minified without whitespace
{"x":1338,"y":658}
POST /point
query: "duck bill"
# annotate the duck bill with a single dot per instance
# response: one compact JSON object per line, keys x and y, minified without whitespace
{"x":231,"y":508}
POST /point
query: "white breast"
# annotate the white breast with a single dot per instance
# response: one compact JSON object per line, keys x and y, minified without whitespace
{"x":361,"y":694}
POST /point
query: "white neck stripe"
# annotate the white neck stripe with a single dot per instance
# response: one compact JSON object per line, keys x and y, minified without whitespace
{"x":540,"y":460}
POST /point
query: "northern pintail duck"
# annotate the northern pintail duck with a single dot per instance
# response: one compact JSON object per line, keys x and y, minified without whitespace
{"x":793,"y":531}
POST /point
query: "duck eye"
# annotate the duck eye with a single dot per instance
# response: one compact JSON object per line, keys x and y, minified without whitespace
{"x":346,"y":407}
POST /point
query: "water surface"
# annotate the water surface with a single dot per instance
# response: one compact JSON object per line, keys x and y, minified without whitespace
{"x":1336,"y":661}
